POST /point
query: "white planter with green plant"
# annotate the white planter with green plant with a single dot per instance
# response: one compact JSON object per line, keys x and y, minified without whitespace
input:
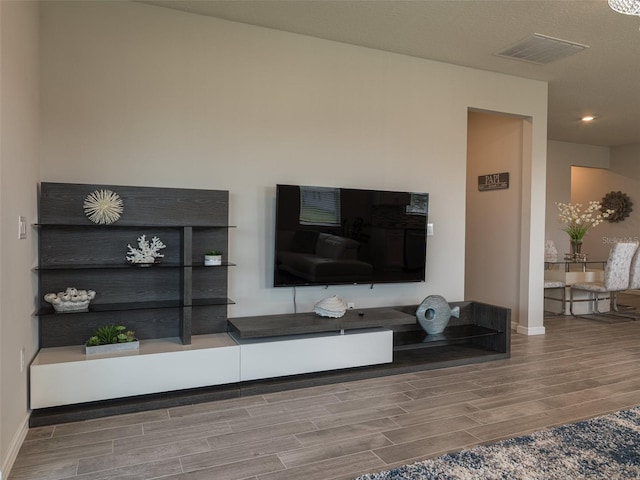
{"x":212,"y":258}
{"x":110,"y":339}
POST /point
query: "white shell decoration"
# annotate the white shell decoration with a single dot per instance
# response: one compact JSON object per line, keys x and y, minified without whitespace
{"x":103,"y":207}
{"x":333,"y":307}
{"x":71,"y":300}
{"x":148,"y":252}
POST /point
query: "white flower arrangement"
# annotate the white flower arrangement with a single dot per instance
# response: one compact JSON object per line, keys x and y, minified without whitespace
{"x":579,"y":222}
{"x":147,"y":253}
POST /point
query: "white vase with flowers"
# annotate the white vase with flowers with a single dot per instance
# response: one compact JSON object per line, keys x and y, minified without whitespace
{"x":578,"y":223}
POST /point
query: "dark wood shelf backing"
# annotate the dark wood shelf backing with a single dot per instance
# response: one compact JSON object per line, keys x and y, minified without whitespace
{"x":117,"y":285}
{"x":61,"y":204}
{"x":64,"y":330}
{"x":99,"y":246}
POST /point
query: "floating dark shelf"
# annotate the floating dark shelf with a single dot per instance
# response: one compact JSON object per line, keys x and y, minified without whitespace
{"x":203,"y":302}
{"x":420,"y":339}
{"x":110,"y":266}
{"x":120,"y":225}
{"x":113,"y":307}
{"x":116,"y":307}
{"x":309,"y":322}
{"x":224,"y":264}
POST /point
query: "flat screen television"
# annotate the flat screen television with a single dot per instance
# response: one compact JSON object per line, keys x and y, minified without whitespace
{"x":329,"y":236}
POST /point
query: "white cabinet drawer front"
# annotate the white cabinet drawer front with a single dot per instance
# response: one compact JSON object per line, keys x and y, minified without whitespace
{"x":306,"y":354}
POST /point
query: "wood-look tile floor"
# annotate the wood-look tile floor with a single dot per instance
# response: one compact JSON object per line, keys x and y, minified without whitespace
{"x":579,"y":369}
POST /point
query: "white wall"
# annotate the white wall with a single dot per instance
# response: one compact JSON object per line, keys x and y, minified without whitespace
{"x":626,"y":161}
{"x":141,"y":95}
{"x":593,"y":184}
{"x":493,"y":217}
{"x":19,"y":163}
{"x":136,"y":94}
{"x":560,"y":157}
{"x":607,"y":169}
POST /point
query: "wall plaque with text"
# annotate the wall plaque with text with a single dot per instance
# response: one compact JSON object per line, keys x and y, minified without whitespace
{"x":493,"y":181}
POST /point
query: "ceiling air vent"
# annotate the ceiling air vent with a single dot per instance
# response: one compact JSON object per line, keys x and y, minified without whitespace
{"x":541,"y":49}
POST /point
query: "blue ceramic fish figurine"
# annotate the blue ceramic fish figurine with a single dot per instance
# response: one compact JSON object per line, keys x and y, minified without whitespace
{"x":433,"y":314}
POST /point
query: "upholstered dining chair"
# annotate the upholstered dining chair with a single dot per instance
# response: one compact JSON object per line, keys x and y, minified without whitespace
{"x":634,"y":278}
{"x":634,"y":275}
{"x":550,"y":285}
{"x":617,"y":273}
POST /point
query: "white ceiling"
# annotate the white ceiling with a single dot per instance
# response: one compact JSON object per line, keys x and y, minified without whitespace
{"x":603,"y":80}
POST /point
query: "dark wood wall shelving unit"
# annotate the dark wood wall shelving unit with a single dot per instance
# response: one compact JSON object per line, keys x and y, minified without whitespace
{"x":178,"y":297}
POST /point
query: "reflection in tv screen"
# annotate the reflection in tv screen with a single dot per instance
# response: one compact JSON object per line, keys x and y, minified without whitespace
{"x":328,"y":236}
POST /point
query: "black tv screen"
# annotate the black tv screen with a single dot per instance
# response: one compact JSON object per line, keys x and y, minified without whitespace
{"x":329,"y":236}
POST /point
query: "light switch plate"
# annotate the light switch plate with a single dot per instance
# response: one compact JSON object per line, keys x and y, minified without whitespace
{"x":22,"y":228}
{"x":430,"y":229}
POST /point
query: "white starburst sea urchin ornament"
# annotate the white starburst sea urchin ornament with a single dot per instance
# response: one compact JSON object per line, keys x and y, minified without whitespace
{"x":103,"y":207}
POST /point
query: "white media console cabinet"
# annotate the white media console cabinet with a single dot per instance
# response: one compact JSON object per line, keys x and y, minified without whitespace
{"x":65,"y":375}
{"x":260,"y":354}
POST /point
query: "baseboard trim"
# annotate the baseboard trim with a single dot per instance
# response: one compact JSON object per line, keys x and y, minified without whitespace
{"x":530,"y":331}
{"x":14,"y":448}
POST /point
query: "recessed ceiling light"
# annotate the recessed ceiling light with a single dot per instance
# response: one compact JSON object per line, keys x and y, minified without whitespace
{"x":588,"y":118}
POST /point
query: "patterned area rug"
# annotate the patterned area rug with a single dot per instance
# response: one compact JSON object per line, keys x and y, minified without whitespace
{"x":606,"y":447}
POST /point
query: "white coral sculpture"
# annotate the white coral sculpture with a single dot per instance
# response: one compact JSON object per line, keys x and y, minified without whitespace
{"x":147,"y":251}
{"x":103,"y":207}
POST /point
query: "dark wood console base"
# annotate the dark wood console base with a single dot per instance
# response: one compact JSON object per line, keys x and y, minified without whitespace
{"x":309,"y":322}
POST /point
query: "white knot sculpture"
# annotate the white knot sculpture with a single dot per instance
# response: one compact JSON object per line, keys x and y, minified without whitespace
{"x":71,"y":300}
{"x":333,"y":307}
